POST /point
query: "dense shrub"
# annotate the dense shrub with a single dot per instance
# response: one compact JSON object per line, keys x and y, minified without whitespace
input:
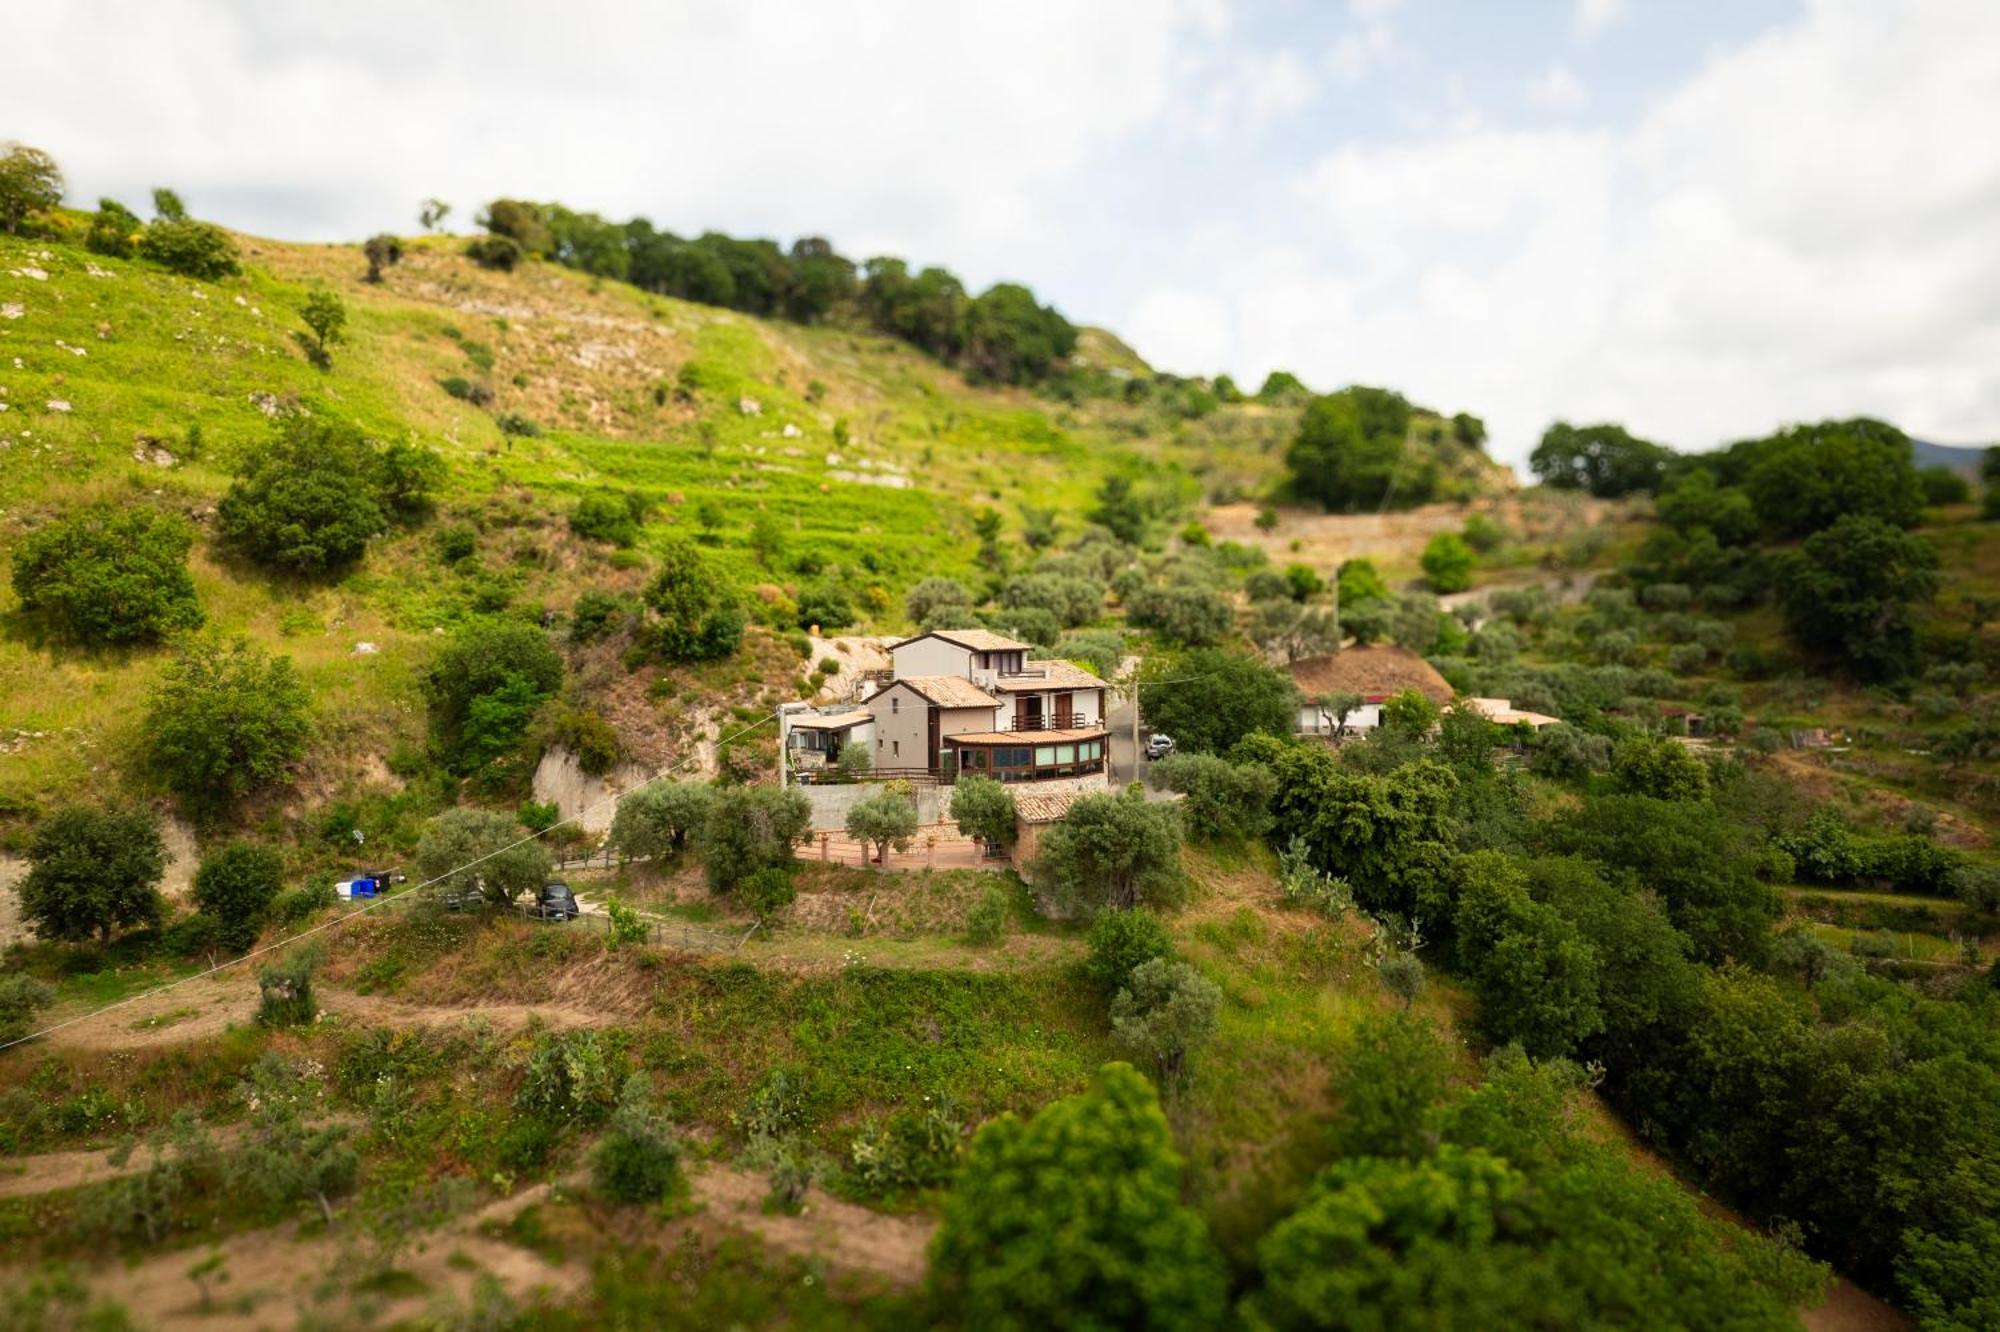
{"x":1120,"y":941}
{"x":1209,"y":699}
{"x":196,"y":249}
{"x":610,"y":518}
{"x":309,"y":499}
{"x":225,"y":720}
{"x":695,"y":615}
{"x":496,"y":252}
{"x":638,"y":1160}
{"x":484,"y":688}
{"x":1225,"y":802}
{"x":104,"y":576}
{"x":235,"y":886}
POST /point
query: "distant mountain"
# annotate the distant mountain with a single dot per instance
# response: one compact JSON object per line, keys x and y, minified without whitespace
{"x":1959,"y":457}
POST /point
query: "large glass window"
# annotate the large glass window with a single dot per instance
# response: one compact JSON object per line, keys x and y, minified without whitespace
{"x":1065,"y":753}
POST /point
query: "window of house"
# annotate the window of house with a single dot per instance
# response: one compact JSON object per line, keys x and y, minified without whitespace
{"x":1065,"y":753}
{"x":896,"y":748}
{"x":895,"y":704}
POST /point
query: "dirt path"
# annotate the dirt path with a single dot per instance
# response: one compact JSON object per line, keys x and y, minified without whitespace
{"x":849,"y":1237}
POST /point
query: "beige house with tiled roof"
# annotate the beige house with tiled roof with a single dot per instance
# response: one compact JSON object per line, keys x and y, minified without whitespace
{"x":973,"y":701}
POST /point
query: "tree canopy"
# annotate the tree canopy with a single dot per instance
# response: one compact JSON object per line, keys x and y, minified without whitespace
{"x":102,"y":575}
{"x":92,"y":872}
{"x":1349,"y":449}
{"x":1848,"y":592}
{"x":1112,"y":852}
{"x":1074,"y":1220}
{"x":1209,"y":699}
{"x":224,"y":720}
{"x":1604,"y":460}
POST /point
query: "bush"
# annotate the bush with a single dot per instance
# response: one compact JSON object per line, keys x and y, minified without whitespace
{"x":114,"y":230}
{"x":569,"y":1078}
{"x":824,"y":606}
{"x":303,"y":502}
{"x":500,"y":253}
{"x":1225,"y":802}
{"x":934,"y":597}
{"x":484,"y":688}
{"x":596,"y":616}
{"x":639,"y":1159}
{"x":516,"y":426}
{"x":768,"y":891}
{"x":224,"y":721}
{"x":103,"y":575}
{"x":613,"y":519}
{"x":195,"y":249}
{"x":986,"y":918}
{"x":295,"y":906}
{"x":21,"y":998}
{"x":1447,"y":563}
{"x":697,"y":616}
{"x":1122,"y":941}
{"x":285,"y":990}
{"x":1208,"y":700}
{"x":235,"y":886}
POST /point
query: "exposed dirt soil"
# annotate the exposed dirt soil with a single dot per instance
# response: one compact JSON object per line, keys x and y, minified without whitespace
{"x":849,"y":1237}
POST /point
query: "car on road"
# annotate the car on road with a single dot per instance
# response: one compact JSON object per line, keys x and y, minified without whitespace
{"x":1159,"y":746}
{"x":555,"y":902}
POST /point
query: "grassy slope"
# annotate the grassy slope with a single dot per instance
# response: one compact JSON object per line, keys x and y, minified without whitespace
{"x":140,"y":357}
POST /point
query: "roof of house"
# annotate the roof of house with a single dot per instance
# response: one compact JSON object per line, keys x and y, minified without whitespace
{"x":1039,"y":675}
{"x":838,"y":721}
{"x":947,"y":691}
{"x":1377,"y":671}
{"x":976,"y":640}
{"x":1049,"y":807}
{"x":1502,"y":712}
{"x":1026,"y":737}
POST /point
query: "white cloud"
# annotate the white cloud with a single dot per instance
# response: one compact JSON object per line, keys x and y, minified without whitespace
{"x":1594,"y":16}
{"x":1366,"y":10}
{"x":1802,"y":229}
{"x":1557,"y":89}
{"x":937,"y":131}
{"x":1355,"y":53}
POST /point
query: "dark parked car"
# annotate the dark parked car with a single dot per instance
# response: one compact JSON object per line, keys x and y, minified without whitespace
{"x":461,"y":899}
{"x":556,"y":902}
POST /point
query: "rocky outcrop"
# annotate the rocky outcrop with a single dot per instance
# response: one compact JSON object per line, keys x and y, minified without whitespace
{"x":592,"y":801}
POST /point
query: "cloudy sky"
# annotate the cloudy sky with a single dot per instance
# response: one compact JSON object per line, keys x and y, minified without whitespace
{"x":1702,"y":219}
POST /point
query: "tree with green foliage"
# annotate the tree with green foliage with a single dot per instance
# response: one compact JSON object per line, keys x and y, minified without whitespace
{"x":1072,"y":600}
{"x":935,"y":599}
{"x":225,"y":719}
{"x":608,"y":517}
{"x":1280,"y":386}
{"x":1447,"y":563}
{"x":467,"y":850}
{"x":1358,"y":581}
{"x":1702,"y":866}
{"x":1120,"y":943}
{"x":1696,"y":503}
{"x":234,"y":887}
{"x":984,"y":808}
{"x":432,"y":213}
{"x":21,"y":998}
{"x":1604,"y":460}
{"x":1944,"y":486}
{"x":92,"y":872}
{"x":167,"y":205}
{"x":199,"y":250}
{"x":1111,"y":853}
{"x":884,"y":820}
{"x":382,"y":251}
{"x":1120,"y":510}
{"x":1073,"y":1220}
{"x":638,"y":1160}
{"x":502,"y":254}
{"x":1536,"y":979}
{"x":1184,"y":613}
{"x":285,"y":989}
{"x":1848,"y":592}
{"x":696,"y":616}
{"x":301,"y":502}
{"x":1222,"y":801}
{"x":1209,"y":699}
{"x":101,"y":575}
{"x":114,"y":230}
{"x":325,"y":314}
{"x":657,"y":821}
{"x":1348,"y":453}
{"x":1164,"y":1012}
{"x":1391,"y":834}
{"x":1010,"y":338}
{"x":1807,"y":478}
{"x":1393,"y":1075}
{"x":751,"y":828}
{"x":30,"y":183}
{"x":1657,"y":766}
{"x":485,"y":686}
{"x":824,"y":606}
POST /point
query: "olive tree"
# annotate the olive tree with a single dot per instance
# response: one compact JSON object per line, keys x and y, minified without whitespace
{"x":883,"y":820}
{"x":1112,"y":852}
{"x":30,"y":182}
{"x":656,"y":821}
{"x":984,"y":808}
{"x":1165,"y":1011}
{"x":466,"y":849}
